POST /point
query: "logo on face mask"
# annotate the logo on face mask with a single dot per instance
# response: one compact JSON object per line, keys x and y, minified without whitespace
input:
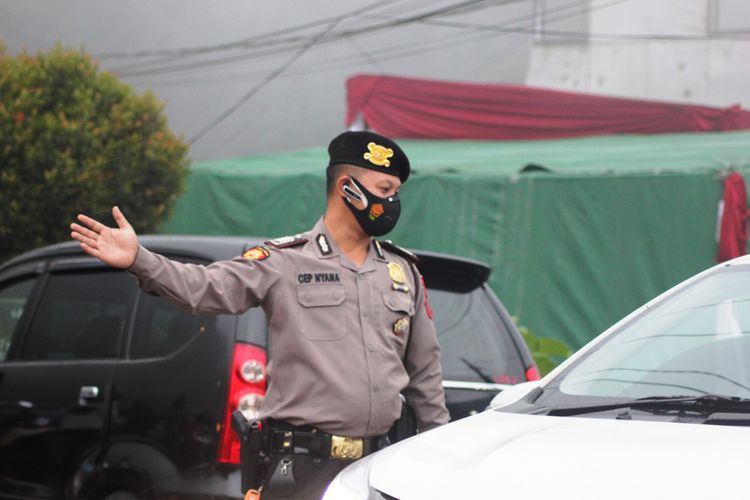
{"x":382,"y":214}
{"x":376,"y":211}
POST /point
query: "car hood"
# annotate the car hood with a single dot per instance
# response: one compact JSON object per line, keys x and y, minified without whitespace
{"x":496,"y":454}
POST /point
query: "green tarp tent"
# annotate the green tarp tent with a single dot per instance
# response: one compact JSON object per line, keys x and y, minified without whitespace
{"x":608,"y":223}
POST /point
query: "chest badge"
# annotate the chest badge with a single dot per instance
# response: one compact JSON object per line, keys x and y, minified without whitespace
{"x":396,"y":272}
{"x":401,"y":326}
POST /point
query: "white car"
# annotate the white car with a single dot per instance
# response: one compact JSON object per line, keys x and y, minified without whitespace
{"x":658,"y":406}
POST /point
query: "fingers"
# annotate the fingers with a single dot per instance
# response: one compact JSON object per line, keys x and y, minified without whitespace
{"x":94,"y":225}
{"x":90,"y":242}
{"x":122,"y":222}
{"x":83,"y":231}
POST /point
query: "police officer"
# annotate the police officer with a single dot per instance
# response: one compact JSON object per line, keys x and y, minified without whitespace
{"x":349,"y":323}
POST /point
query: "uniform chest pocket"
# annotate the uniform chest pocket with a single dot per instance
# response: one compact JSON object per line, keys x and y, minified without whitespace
{"x":398,"y":312}
{"x":398,"y":303}
{"x":320,"y":316}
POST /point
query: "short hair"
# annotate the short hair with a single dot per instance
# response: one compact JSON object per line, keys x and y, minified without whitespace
{"x":333,"y":172}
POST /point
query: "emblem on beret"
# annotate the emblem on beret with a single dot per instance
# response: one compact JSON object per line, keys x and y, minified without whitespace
{"x":376,"y":211}
{"x":396,"y":272}
{"x":256,"y":253}
{"x":401,"y":326}
{"x":378,"y":155}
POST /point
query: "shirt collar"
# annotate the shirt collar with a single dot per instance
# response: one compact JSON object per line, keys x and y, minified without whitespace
{"x":322,"y":241}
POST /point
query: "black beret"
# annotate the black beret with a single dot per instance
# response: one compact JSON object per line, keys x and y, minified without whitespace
{"x":369,"y":150}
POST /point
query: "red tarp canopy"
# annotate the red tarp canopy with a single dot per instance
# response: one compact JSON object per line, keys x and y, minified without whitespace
{"x":427,"y":109}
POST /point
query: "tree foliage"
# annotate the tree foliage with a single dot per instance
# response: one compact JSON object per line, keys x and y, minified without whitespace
{"x":76,"y":139}
{"x":547,"y":352}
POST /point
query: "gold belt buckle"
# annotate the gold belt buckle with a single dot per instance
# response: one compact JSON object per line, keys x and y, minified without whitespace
{"x":346,"y":448}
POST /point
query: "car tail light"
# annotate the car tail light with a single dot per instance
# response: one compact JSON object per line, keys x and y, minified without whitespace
{"x":247,"y":389}
{"x":532,"y":373}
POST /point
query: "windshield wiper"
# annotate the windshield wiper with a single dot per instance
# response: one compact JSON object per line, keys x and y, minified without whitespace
{"x":709,"y":402}
{"x":480,"y":373}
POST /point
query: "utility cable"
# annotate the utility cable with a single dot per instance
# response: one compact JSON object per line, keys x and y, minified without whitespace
{"x":397,"y":51}
{"x":341,"y":35}
{"x":272,"y":76}
{"x":259,"y":39}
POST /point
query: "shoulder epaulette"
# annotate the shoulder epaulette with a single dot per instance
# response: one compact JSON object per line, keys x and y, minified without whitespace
{"x":287,"y":241}
{"x":389,"y":245}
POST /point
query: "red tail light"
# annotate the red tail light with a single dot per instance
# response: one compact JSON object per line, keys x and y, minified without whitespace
{"x":532,"y":373}
{"x":247,"y":388}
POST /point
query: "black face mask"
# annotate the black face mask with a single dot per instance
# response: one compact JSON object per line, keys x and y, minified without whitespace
{"x":379,"y":215}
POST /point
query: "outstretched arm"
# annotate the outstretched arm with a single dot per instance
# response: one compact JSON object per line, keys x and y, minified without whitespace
{"x":117,"y":247}
{"x":222,"y":287}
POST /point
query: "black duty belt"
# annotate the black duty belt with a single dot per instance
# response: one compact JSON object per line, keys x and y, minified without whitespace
{"x":285,"y":438}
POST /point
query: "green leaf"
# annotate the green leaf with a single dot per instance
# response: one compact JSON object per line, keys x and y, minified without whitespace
{"x":547,"y":352}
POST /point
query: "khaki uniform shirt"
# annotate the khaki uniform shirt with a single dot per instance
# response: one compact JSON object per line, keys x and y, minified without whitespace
{"x":338,"y":333}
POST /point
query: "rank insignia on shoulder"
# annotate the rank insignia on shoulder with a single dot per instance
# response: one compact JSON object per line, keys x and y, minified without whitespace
{"x":256,"y":253}
{"x":287,"y":241}
{"x":390,"y":246}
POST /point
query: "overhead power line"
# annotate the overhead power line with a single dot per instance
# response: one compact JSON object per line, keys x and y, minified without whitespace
{"x":737,"y":36}
{"x":264,"y":44}
{"x":402,"y":50}
{"x":245,"y":42}
{"x":246,"y":97}
{"x":332,"y":37}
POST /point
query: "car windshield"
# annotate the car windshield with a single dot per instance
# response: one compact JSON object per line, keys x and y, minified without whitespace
{"x":694,"y":343}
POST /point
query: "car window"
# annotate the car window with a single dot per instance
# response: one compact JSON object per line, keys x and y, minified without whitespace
{"x":81,"y":315}
{"x":13,"y":298}
{"x":161,"y":328}
{"x":695,"y":342}
{"x":475,"y":343}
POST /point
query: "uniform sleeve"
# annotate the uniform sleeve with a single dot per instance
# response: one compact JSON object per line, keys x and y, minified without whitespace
{"x":230,"y":286}
{"x":425,"y":390}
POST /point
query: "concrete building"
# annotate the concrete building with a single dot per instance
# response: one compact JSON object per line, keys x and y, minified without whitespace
{"x":694,"y":51}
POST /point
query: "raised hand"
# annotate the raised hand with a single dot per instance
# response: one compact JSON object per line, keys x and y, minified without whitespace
{"x":117,"y":247}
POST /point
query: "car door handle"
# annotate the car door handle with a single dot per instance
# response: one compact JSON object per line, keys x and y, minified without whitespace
{"x":88,"y":393}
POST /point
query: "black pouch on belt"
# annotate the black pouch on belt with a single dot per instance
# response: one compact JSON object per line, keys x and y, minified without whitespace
{"x":282,"y":483}
{"x":253,"y":457}
{"x":405,"y":426}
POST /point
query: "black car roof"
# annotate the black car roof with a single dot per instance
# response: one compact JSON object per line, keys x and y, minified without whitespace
{"x":440,"y":270}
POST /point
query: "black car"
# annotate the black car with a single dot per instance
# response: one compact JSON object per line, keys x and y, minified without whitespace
{"x":109,"y":392}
